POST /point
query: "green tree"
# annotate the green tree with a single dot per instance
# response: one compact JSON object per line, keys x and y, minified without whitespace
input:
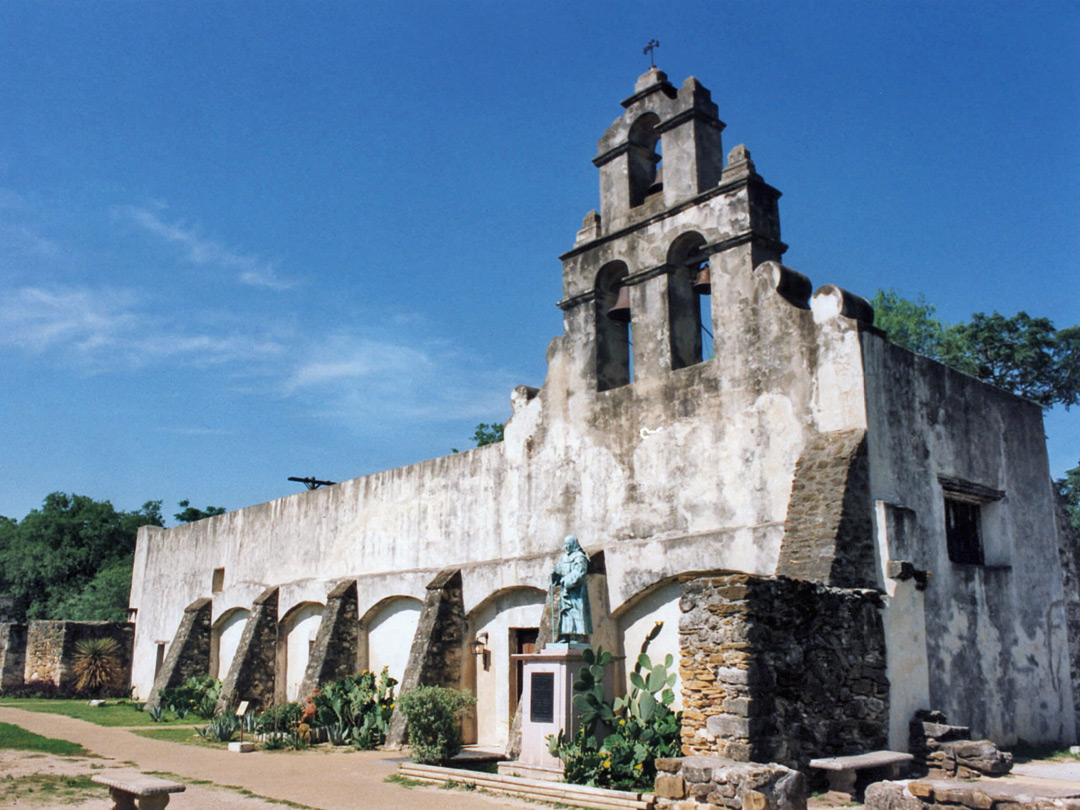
{"x":189,"y":513}
{"x":74,"y":553}
{"x":1069,"y":487}
{"x":1021,"y":354}
{"x":488,"y":434}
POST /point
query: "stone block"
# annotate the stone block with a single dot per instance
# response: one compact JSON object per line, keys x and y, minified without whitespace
{"x":754,"y":800}
{"x":669,"y":786}
{"x":728,"y":726}
{"x":890,"y":796}
{"x":733,"y":675}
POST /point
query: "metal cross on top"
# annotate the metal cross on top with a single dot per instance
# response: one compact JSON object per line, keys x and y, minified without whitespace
{"x":652,"y":46}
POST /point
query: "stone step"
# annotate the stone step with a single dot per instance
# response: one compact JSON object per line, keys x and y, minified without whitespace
{"x":573,"y":795}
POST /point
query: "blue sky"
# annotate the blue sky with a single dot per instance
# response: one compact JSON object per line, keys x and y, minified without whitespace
{"x":244,"y":241}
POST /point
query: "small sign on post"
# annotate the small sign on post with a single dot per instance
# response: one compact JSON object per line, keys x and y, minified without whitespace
{"x":242,"y":747}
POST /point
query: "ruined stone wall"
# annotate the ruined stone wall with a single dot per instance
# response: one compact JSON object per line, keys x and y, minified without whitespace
{"x":12,"y":654}
{"x":44,"y":650}
{"x":781,"y":670}
{"x":51,"y":645}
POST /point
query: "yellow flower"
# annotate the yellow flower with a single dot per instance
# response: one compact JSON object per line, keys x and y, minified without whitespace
{"x":638,"y":767}
{"x":622,"y":722}
{"x":606,"y":763}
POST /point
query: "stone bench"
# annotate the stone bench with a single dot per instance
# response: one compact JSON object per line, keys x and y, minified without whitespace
{"x":842,"y":771}
{"x":130,"y":790}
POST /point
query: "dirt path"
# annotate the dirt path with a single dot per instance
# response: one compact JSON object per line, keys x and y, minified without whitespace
{"x":328,"y":780}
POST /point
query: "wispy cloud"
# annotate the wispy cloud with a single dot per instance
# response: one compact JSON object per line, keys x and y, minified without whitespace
{"x":374,"y":384}
{"x":37,"y":318}
{"x":201,"y":250}
{"x":104,"y":328}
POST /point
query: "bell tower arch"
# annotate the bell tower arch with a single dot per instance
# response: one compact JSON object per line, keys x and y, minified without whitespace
{"x":670,"y":255}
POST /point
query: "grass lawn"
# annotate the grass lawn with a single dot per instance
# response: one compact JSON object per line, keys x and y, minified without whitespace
{"x":114,"y":714}
{"x":23,"y":740}
{"x":48,"y":790}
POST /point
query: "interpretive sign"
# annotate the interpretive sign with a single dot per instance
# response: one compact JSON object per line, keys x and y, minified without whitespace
{"x":542,"y":703}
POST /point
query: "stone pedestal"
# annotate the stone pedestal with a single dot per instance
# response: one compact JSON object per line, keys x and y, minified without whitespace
{"x":547,"y":699}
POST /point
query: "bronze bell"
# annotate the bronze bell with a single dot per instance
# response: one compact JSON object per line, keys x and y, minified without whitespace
{"x":620,"y":311}
{"x":703,"y":281}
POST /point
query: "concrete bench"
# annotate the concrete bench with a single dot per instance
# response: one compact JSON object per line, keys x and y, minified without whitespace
{"x":842,"y":771}
{"x":130,"y":790}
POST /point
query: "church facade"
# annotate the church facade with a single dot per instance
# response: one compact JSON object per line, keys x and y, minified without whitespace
{"x":705,"y":410}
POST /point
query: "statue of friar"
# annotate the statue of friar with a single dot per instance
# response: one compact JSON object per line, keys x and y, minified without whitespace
{"x":573,"y":620}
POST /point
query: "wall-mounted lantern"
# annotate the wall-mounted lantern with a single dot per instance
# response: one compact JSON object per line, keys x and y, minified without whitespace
{"x":480,"y":648}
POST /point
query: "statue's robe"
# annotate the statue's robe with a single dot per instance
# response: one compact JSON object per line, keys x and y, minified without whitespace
{"x":575,"y":618}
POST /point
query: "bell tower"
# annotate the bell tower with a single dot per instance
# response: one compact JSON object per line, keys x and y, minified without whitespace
{"x":674,"y":245}
{"x":680,"y":127}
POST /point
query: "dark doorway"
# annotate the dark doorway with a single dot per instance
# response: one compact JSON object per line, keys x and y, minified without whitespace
{"x":523,"y":640}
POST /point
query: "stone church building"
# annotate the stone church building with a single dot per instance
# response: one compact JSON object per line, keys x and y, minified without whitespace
{"x":728,"y":443}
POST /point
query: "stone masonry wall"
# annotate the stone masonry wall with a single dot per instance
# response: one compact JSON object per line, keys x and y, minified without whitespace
{"x":781,"y":670}
{"x":252,"y":674}
{"x":51,"y":645}
{"x":12,"y":654}
{"x":333,"y":656}
{"x":44,"y":647}
{"x":690,"y":783}
{"x":435,"y":657}
{"x":828,"y":534}
{"x":189,"y":653}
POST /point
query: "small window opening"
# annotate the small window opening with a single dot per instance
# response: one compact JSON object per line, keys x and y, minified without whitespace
{"x":644,"y":159}
{"x":159,"y":658}
{"x":614,"y":355}
{"x":218,"y":581}
{"x":963,"y":533}
{"x":966,"y":525}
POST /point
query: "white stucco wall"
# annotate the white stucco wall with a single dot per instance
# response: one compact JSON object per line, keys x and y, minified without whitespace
{"x":390,"y":633}
{"x":661,"y":605}
{"x":300,"y":628}
{"x":492,"y":681}
{"x":226,"y":638}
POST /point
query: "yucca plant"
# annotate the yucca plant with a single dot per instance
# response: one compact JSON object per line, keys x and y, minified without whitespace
{"x":96,"y":665}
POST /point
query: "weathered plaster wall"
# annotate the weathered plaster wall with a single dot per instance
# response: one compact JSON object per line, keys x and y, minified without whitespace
{"x":688,"y":467}
{"x":996,"y":646}
{"x":679,"y":471}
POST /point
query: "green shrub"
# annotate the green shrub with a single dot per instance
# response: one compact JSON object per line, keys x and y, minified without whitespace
{"x":220,"y":729}
{"x":283,"y":718}
{"x":358,"y":708}
{"x":431,"y":717}
{"x":96,"y":665}
{"x":197,"y":695}
{"x":617,"y":745}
